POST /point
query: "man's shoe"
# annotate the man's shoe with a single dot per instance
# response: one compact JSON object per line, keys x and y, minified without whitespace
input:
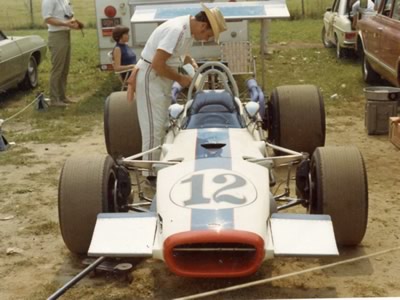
{"x":69,"y":101}
{"x":58,"y":104}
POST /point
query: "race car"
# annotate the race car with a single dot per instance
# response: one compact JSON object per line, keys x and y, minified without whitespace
{"x":214,"y":213}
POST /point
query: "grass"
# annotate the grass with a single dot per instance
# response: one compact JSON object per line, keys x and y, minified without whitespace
{"x":299,"y":58}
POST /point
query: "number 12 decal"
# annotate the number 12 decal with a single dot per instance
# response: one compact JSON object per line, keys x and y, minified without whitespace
{"x":221,"y":194}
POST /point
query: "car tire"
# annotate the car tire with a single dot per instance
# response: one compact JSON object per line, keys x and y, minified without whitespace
{"x":325,"y":40}
{"x":86,"y":188}
{"x":296,"y":116}
{"x":369,"y":74}
{"x":31,"y":79}
{"x":339,"y":188}
{"x":121,"y":126}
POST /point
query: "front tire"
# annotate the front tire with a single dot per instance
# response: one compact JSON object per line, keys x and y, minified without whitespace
{"x":339,"y":188}
{"x":31,"y":77}
{"x":86,"y":188}
{"x":297,"y":118}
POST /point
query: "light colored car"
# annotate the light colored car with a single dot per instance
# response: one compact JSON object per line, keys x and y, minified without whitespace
{"x":214,"y":213}
{"x":337,"y":30}
{"x":19,"y":60}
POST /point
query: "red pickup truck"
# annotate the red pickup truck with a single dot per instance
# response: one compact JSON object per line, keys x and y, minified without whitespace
{"x":379,"y":43}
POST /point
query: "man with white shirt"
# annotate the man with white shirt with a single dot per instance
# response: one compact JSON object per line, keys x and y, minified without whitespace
{"x":166,"y":50}
{"x":356,"y":7}
{"x":59,"y":17}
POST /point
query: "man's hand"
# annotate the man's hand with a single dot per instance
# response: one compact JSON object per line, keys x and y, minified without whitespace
{"x":185,"y":80}
{"x":159,"y":65}
{"x":73,"y":24}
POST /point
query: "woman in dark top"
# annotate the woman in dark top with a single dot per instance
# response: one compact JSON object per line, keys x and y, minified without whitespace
{"x":124,"y":59}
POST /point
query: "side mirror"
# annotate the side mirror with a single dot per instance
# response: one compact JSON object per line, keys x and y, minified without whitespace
{"x":175,"y":110}
{"x":252,"y":108}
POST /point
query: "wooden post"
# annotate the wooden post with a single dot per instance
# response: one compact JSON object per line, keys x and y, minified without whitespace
{"x":302,"y":9}
{"x":31,"y":12}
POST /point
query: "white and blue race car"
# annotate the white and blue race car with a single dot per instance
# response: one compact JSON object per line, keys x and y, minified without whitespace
{"x":213,"y":213}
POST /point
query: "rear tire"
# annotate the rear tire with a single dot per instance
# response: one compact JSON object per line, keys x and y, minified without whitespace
{"x":121,"y":126}
{"x":297,"y":118}
{"x":31,"y":77}
{"x":339,"y":188}
{"x":86,"y":188}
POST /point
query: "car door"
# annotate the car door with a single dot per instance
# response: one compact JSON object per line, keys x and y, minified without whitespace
{"x":329,"y":20}
{"x":390,"y":38}
{"x":10,"y":66}
{"x":373,"y":33}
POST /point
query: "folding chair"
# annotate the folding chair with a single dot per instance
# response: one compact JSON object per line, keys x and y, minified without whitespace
{"x":125,"y":74}
{"x":239,"y":57}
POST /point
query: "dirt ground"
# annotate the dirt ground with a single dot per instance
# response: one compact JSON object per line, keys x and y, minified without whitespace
{"x":34,"y":261}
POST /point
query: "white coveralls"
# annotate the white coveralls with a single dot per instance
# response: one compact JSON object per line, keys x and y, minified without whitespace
{"x":153,"y":92}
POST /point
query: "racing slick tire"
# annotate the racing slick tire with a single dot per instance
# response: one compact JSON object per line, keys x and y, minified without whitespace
{"x":121,"y":126}
{"x":86,"y":188}
{"x":296,"y":116}
{"x":339,"y":188}
{"x":31,"y":78}
{"x":325,"y":41}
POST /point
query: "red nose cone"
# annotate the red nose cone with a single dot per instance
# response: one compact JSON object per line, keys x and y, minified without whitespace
{"x":110,"y":11}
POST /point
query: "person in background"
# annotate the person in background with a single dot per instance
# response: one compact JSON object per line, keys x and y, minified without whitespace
{"x":356,"y":7}
{"x":124,"y":59}
{"x":165,"y":51}
{"x":59,"y":17}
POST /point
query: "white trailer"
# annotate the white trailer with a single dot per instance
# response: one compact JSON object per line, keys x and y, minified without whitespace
{"x":110,"y":13}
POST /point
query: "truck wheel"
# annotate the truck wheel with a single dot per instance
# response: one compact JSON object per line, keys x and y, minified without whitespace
{"x":86,"y":188}
{"x":339,"y":188}
{"x":31,"y":77}
{"x":121,"y":126}
{"x":369,"y":75}
{"x":297,"y":118}
{"x":325,"y":40}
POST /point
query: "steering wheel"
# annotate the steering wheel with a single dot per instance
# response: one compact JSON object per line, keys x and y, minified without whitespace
{"x":214,"y":67}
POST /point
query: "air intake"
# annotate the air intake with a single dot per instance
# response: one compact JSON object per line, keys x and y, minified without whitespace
{"x":214,"y":254}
